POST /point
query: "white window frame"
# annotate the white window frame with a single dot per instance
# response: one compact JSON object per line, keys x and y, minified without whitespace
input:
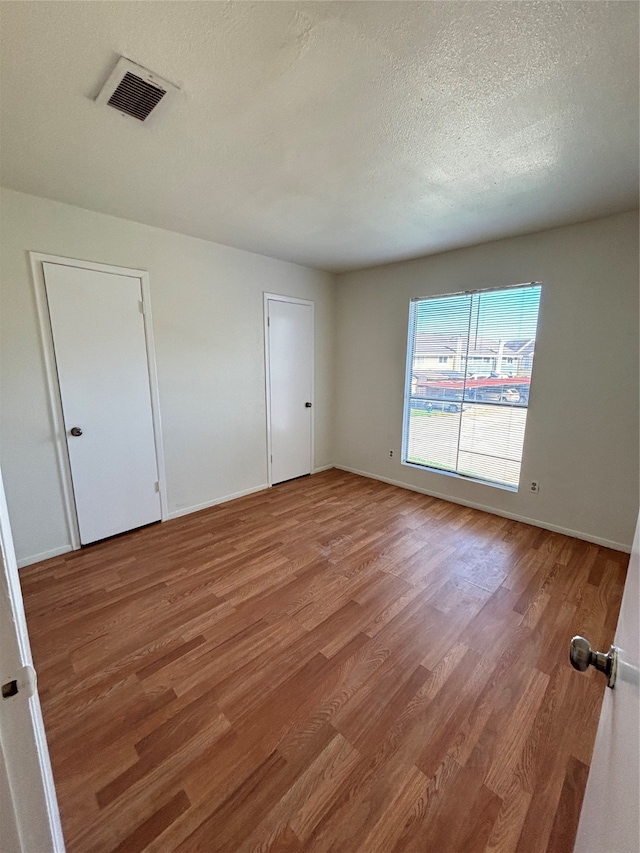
{"x":407,"y":389}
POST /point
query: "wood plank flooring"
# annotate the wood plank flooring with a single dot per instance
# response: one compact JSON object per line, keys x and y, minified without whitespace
{"x":332,"y":665}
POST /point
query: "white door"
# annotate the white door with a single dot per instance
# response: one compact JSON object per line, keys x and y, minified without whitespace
{"x":290,"y":378}
{"x":101,"y":359}
{"x":610,"y":817}
{"x":29,"y":819}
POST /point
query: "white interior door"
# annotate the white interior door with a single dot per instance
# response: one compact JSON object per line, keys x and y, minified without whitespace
{"x":290,"y":378}
{"x":29,"y":819}
{"x":610,"y":817}
{"x":101,"y":359}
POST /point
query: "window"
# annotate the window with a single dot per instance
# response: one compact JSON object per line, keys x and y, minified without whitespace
{"x":443,"y":359}
{"x":469,"y":419}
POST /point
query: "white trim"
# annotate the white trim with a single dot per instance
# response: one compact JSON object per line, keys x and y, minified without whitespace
{"x":566,"y":531}
{"x":85,"y":265}
{"x":37,"y":259}
{"x":25,"y":752}
{"x":406,"y":413}
{"x":477,"y":290}
{"x":155,"y":397}
{"x":51,"y":797}
{"x":323,"y":468}
{"x":53,"y":395}
{"x":178,"y":513}
{"x":45,"y":555}
{"x":463,"y":477}
{"x":267,"y":383}
{"x":411,"y":340}
{"x":278,"y":297}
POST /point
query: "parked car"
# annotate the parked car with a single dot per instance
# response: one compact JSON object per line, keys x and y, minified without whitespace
{"x":499,"y":395}
{"x":438,"y":406}
{"x":511,"y":395}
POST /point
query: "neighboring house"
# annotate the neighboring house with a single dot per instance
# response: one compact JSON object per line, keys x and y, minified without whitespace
{"x":485,"y":356}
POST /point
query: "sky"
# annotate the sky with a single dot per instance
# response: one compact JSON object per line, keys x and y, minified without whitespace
{"x":498,"y":314}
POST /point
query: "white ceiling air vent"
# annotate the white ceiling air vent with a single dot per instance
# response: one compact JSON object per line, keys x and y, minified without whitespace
{"x":135,"y":91}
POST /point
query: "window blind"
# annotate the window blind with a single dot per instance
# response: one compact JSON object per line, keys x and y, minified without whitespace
{"x":469,"y":365}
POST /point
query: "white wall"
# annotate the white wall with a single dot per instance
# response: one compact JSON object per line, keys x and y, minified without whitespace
{"x":207,"y":310}
{"x":582,"y":431}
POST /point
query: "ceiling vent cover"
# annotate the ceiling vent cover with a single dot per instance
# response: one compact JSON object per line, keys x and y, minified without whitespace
{"x":134,"y":91}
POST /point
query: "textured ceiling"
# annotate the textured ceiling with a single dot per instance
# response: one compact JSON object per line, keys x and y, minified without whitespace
{"x":338,"y":135}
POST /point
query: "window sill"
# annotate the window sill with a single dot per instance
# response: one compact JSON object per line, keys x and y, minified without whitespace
{"x":504,"y":488}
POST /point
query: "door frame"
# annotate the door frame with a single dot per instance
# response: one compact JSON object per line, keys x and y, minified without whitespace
{"x":37,"y":259}
{"x":278,"y":297}
{"x":29,"y":790}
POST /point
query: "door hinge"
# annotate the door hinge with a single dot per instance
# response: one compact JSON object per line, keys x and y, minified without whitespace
{"x":157,"y":486}
{"x":272,"y":458}
{"x":268,"y":321}
{"x":141,"y":304}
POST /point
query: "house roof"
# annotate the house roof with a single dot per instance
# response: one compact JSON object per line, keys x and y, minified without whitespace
{"x":437,"y":345}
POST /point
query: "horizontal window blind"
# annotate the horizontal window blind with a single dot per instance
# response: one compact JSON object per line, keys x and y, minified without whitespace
{"x":469,"y":364}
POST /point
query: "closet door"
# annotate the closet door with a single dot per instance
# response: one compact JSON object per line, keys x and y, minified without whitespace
{"x":290,"y":376}
{"x":101,"y":359}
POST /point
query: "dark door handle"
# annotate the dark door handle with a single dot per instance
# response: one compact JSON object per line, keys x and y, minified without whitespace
{"x":307,"y":405}
{"x":76,"y":431}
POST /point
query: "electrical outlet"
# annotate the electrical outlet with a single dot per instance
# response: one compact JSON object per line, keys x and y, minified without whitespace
{"x":534,"y":486}
{"x":391,"y":454}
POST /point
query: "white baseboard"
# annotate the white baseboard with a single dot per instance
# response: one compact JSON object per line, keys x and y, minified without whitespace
{"x":323,"y":468}
{"x":56,"y":552}
{"x":577,"y":534}
{"x":188,"y":510}
{"x":45,"y":555}
{"x":177,"y":513}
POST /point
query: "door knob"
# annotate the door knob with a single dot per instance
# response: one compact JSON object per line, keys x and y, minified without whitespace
{"x":307,"y":405}
{"x":76,"y":431}
{"x":582,"y":657}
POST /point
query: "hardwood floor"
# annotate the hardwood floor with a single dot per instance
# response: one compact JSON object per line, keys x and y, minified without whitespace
{"x":332,"y":665}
